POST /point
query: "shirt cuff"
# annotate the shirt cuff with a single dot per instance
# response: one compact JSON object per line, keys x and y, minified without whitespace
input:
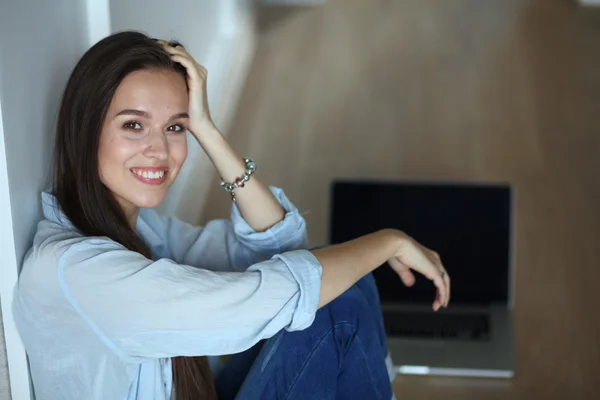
{"x":287,"y":234}
{"x":307,"y":271}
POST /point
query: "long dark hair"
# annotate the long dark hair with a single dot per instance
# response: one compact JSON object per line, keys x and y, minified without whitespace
{"x":85,"y":200}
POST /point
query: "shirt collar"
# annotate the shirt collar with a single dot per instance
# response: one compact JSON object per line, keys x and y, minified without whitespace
{"x":52,"y":212}
{"x":145,"y":229}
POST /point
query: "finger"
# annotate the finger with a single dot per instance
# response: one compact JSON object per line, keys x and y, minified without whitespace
{"x":437,"y":303}
{"x":445,"y":298}
{"x":188,"y":62}
{"x":444,"y":277}
{"x":175,"y":50}
{"x":434,"y":273}
{"x":403,"y":271}
{"x":447,"y":280}
{"x":408,"y":278}
{"x":190,"y":66}
{"x":441,"y":287}
{"x":180,"y":50}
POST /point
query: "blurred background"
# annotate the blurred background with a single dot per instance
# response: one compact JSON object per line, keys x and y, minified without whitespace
{"x":459,"y":90}
{"x":445,"y":90}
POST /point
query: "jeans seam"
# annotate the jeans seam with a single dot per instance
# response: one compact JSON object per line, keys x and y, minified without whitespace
{"x":301,"y":370}
{"x":371,"y":375}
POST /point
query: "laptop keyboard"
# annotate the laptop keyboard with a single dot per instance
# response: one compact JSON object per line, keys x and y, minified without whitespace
{"x":437,"y":325}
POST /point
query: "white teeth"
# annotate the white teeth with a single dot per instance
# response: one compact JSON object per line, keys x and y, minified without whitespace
{"x":150,"y":174}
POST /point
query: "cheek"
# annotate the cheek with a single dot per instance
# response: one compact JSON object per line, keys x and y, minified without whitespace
{"x":113,"y":155}
{"x":178,"y":152}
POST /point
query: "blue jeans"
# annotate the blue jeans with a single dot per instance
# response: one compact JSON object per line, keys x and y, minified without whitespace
{"x":340,"y":356}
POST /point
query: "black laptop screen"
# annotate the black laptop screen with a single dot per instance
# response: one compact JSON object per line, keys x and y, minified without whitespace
{"x":468,"y":225}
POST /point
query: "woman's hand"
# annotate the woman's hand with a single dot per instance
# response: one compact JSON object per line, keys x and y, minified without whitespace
{"x":200,"y":118}
{"x":413,"y":256}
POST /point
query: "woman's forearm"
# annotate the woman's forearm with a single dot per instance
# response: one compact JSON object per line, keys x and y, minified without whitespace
{"x":345,"y":264}
{"x":256,"y":203}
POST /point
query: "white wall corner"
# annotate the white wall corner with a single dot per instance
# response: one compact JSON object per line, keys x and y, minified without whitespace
{"x":4,"y":379}
{"x":98,"y":20}
{"x":60,"y":39}
{"x":20,"y":386}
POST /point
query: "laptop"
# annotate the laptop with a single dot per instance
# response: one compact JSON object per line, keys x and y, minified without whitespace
{"x":471,"y":227}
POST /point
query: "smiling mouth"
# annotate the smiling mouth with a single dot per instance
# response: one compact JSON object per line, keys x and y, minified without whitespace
{"x":151,"y":176}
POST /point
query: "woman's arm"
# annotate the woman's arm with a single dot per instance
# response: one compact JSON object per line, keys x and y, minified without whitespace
{"x":154,"y":309}
{"x":256,"y":203}
{"x":344,"y":264}
{"x":151,"y":309}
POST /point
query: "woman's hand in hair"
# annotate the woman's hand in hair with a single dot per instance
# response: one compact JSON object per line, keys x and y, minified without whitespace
{"x":257,"y":204}
{"x":200,"y":118}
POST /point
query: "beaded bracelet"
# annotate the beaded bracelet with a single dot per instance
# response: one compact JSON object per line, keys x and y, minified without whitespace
{"x":241,"y":181}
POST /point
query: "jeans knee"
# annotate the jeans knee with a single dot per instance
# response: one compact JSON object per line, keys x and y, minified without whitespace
{"x":350,"y":306}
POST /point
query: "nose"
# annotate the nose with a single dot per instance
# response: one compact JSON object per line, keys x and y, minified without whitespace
{"x":157,"y":146}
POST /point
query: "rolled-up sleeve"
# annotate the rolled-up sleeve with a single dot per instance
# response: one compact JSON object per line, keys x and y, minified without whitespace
{"x":144,"y":309}
{"x":232,"y":245}
{"x":288,"y":234}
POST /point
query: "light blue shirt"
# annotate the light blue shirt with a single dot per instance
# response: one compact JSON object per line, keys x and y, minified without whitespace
{"x":101,"y":322}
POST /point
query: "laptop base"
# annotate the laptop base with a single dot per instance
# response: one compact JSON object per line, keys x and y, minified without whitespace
{"x":490,"y":358}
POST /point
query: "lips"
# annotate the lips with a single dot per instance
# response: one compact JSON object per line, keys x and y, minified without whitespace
{"x":150,"y":175}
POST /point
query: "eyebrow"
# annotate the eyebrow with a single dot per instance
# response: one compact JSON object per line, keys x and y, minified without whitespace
{"x":145,"y":114}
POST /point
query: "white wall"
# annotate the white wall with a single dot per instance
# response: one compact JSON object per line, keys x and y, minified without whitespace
{"x":40,"y":41}
{"x":220,"y":35}
{"x":4,"y":383}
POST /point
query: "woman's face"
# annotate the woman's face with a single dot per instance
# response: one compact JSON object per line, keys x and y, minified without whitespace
{"x":143,"y":140}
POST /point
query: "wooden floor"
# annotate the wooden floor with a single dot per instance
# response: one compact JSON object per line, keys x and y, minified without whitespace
{"x":473,"y":90}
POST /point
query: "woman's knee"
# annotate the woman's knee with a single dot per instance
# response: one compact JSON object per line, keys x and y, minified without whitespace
{"x":350,"y":306}
{"x":367,"y":283}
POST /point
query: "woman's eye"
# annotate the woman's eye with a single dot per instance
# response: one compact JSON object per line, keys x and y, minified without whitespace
{"x":132,"y":125}
{"x":176,"y":128}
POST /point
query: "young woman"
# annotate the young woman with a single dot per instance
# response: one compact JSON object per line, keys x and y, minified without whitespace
{"x":117,"y":302}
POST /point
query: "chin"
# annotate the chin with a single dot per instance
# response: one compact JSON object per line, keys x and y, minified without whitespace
{"x":149,"y":200}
